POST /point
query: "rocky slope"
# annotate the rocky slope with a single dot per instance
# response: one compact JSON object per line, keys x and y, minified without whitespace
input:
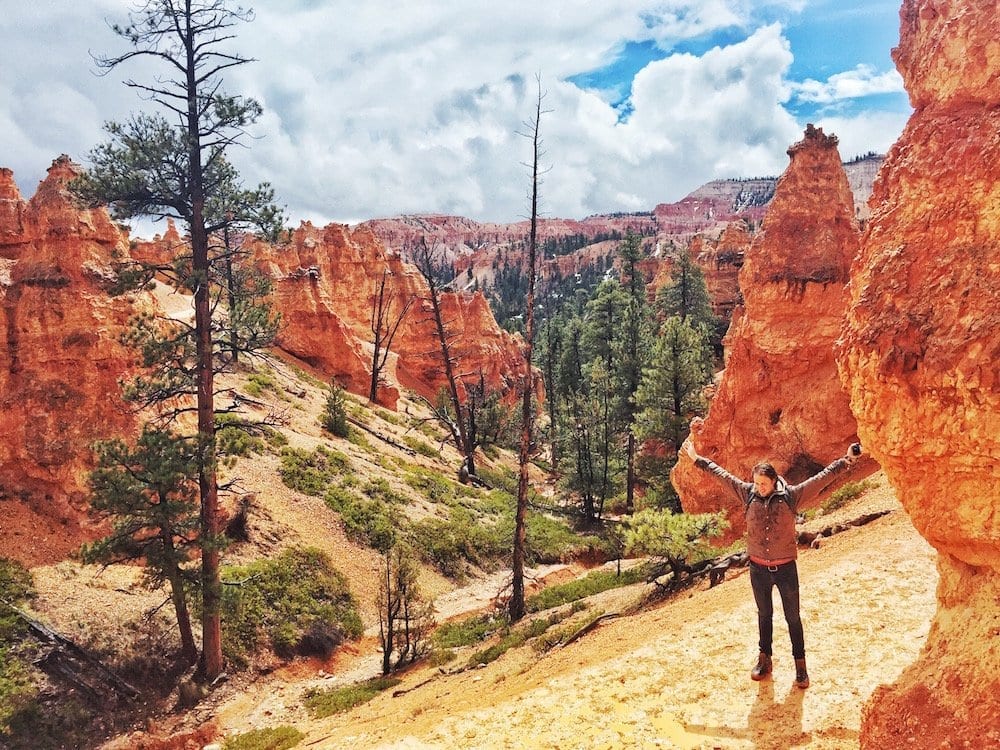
{"x":60,"y":360}
{"x":780,"y":398}
{"x":674,"y":676}
{"x":920,"y":357}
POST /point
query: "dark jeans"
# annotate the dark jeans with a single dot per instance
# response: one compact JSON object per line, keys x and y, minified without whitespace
{"x":786,"y":578}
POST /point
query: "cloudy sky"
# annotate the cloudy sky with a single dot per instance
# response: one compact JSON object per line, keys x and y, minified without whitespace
{"x":391,"y":106}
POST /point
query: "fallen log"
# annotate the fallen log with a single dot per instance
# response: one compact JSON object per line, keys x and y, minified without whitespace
{"x":384,"y":438}
{"x":811,"y":538}
{"x":68,"y":659}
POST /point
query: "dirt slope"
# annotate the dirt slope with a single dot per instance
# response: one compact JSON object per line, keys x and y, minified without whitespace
{"x":676,"y":676}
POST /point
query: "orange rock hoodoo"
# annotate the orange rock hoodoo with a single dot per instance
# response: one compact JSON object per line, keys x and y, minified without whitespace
{"x":921,"y":358}
{"x":60,"y":360}
{"x":780,"y":398}
{"x":325,"y":284}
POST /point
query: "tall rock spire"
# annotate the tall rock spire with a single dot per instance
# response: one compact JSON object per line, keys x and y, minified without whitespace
{"x":780,"y":398}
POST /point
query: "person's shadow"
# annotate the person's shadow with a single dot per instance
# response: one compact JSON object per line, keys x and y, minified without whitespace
{"x":776,"y":726}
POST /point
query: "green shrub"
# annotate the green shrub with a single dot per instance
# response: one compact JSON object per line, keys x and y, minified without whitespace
{"x":312,"y":473}
{"x":432,"y":485}
{"x":16,"y":586}
{"x":593,"y":583}
{"x":334,"y":417}
{"x":843,"y":495}
{"x":17,"y":689}
{"x":446,"y":543}
{"x":322,"y":703}
{"x":379,"y":489}
{"x":261,"y":382}
{"x":297,"y":600}
{"x":276,"y":738}
{"x":370,"y":522}
{"x":465,"y":632}
{"x":234,"y":441}
{"x":421,"y":446}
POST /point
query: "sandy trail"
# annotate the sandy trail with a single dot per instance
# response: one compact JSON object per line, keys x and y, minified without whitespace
{"x":677,"y":676}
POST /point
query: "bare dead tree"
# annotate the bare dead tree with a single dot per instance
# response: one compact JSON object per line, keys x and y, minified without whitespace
{"x":404,"y":616}
{"x":384,"y":325}
{"x":533,"y":132}
{"x":424,"y":258}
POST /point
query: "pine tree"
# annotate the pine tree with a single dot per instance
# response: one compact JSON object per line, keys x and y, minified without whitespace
{"x":670,"y":394}
{"x":177,"y":167}
{"x":149,"y":493}
{"x":636,"y":333}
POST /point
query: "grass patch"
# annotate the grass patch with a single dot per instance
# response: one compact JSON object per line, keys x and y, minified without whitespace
{"x":297,"y":601}
{"x":421,"y":446}
{"x":466,"y":632}
{"x":321,"y":703}
{"x":559,"y":636}
{"x":843,"y":495}
{"x":276,"y":738}
{"x":593,"y":583}
{"x":516,"y":638}
{"x":387,"y":416}
{"x":312,"y":473}
{"x":357,"y":437}
{"x":500,"y":478}
{"x":260,"y":383}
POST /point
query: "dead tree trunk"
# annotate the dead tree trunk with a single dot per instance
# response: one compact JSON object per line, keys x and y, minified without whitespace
{"x":384,"y":326}
{"x":517,"y":609}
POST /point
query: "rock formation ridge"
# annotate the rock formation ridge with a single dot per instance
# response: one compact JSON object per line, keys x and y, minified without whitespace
{"x":921,"y":358}
{"x":60,"y":359}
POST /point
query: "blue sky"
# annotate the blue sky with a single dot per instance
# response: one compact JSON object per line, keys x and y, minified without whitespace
{"x":385,"y":107}
{"x":826,"y":39}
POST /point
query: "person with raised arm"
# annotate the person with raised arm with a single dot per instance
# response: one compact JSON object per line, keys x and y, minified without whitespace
{"x":770,"y":504}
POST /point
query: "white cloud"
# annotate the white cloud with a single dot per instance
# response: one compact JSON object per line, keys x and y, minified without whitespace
{"x":379,"y":108}
{"x":864,"y":132}
{"x":862,"y":81}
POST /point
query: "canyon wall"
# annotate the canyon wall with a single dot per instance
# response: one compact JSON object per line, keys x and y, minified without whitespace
{"x":921,"y":358}
{"x":780,"y":398}
{"x":720,"y":262}
{"x":60,"y":361}
{"x":325,"y":285}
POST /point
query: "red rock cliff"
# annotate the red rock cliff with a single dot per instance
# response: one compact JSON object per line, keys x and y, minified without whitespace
{"x":720,"y":262}
{"x":325,"y":285}
{"x":60,"y":361}
{"x":921,"y":358}
{"x":780,"y":398}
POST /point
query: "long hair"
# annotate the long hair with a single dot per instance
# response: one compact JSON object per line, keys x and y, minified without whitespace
{"x":764,"y":468}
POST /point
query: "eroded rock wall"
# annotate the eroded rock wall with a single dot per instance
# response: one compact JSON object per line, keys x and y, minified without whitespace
{"x":921,"y":359}
{"x":780,"y":398}
{"x":325,"y":284}
{"x":60,"y":361}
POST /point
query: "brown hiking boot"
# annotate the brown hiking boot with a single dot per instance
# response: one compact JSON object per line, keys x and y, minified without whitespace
{"x":801,"y":675}
{"x":763,"y":668}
